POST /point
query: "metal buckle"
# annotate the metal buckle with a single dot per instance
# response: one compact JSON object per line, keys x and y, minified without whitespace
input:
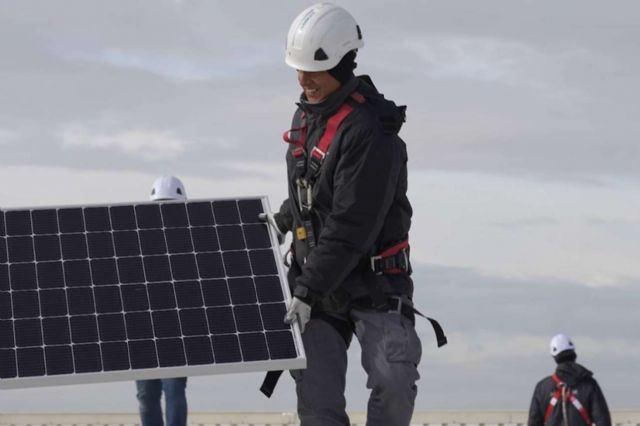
{"x":405,"y":257}
{"x":288,"y":258}
{"x":302,"y":184}
{"x":320,"y":153}
{"x":398,"y":309}
{"x":309,"y":198}
{"x":374,"y":259}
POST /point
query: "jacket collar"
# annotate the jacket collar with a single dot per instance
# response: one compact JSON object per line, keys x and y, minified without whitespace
{"x":331,"y":104}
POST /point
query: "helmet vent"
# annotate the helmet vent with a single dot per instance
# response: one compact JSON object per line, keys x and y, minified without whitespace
{"x":320,"y":55}
{"x":359,"y":32}
{"x":179,"y":191}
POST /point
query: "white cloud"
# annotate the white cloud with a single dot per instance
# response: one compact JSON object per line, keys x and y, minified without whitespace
{"x":55,"y":186}
{"x":518,"y":227}
{"x":150,"y":145}
{"x":470,"y":58}
{"x":183,"y":66}
{"x":509,"y":62}
{"x":180,"y":68}
{"x":272,"y":170}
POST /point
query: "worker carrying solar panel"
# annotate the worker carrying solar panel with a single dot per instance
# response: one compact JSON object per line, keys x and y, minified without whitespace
{"x":349,"y":213}
{"x":149,"y":392}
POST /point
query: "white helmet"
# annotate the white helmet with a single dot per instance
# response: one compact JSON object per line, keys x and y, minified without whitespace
{"x":320,"y":36}
{"x":560,"y":343}
{"x":168,"y":188}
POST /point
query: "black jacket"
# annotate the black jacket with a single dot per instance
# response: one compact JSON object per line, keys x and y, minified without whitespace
{"x":360,"y":206}
{"x":581,"y":381}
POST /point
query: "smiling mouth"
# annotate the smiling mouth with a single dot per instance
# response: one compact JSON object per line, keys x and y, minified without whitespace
{"x":311,"y":92}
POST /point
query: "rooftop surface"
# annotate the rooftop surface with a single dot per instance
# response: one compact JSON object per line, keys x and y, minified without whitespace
{"x":440,"y":418}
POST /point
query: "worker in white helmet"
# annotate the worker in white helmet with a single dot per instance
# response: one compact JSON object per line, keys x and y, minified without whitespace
{"x":165,"y":188}
{"x":168,"y":188}
{"x":570,"y":396}
{"x":350,"y":216}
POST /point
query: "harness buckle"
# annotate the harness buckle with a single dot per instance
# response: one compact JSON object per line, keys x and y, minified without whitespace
{"x":374,"y":259}
{"x":395,"y":309}
{"x":395,"y":263}
{"x":318,"y":153}
{"x":405,"y":258}
{"x":305,"y":200}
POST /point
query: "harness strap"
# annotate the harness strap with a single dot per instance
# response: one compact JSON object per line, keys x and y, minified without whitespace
{"x":396,"y":305}
{"x":583,"y":411}
{"x":300,"y":141}
{"x":320,"y":151}
{"x":552,"y":404}
{"x":307,"y":166}
{"x":344,"y":328}
{"x":270,"y":381}
{"x":563,"y":393}
{"x":394,"y":260}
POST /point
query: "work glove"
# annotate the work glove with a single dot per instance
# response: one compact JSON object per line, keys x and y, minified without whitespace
{"x":301,"y":310}
{"x":271,"y":221}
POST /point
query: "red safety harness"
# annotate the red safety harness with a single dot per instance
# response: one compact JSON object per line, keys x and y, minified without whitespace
{"x":320,"y":151}
{"x":308,"y":165}
{"x":393,"y":260}
{"x":307,"y":169}
{"x":563,"y":394}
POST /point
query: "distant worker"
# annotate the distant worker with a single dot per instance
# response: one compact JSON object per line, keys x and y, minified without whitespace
{"x":570,"y":396}
{"x":150,"y":391}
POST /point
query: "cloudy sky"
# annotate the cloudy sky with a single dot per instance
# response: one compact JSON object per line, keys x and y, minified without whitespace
{"x":524,"y":145}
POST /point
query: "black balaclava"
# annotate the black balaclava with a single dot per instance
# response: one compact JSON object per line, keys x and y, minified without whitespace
{"x":343,"y":72}
{"x":564,"y":356}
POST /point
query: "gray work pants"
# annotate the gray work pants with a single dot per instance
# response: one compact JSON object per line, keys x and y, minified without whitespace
{"x":391,"y":351}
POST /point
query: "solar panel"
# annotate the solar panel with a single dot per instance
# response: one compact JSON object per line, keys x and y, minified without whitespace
{"x":141,"y":291}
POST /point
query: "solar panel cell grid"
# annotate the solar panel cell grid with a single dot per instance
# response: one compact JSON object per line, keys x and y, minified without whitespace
{"x":44,"y":221}
{"x":4,"y":277}
{"x":142,"y":287}
{"x":3,"y":250}
{"x":18,"y":223}
{"x":123,"y":218}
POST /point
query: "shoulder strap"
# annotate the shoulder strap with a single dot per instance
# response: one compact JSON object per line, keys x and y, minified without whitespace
{"x":583,"y":411}
{"x":554,"y":398}
{"x":333,"y":123}
{"x":568,"y":394}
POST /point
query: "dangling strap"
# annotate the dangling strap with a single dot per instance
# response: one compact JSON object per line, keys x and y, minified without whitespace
{"x":441,"y":338}
{"x":344,"y":328}
{"x":270,"y":382}
{"x":300,"y":141}
{"x":396,"y":305}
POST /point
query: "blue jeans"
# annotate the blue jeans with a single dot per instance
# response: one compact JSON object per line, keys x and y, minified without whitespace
{"x":149,"y":395}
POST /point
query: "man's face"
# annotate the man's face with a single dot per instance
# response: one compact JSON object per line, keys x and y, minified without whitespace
{"x":318,"y":85}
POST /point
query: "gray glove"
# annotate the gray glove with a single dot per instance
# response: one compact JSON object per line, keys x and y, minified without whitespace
{"x":271,"y":221}
{"x":297,"y":308}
